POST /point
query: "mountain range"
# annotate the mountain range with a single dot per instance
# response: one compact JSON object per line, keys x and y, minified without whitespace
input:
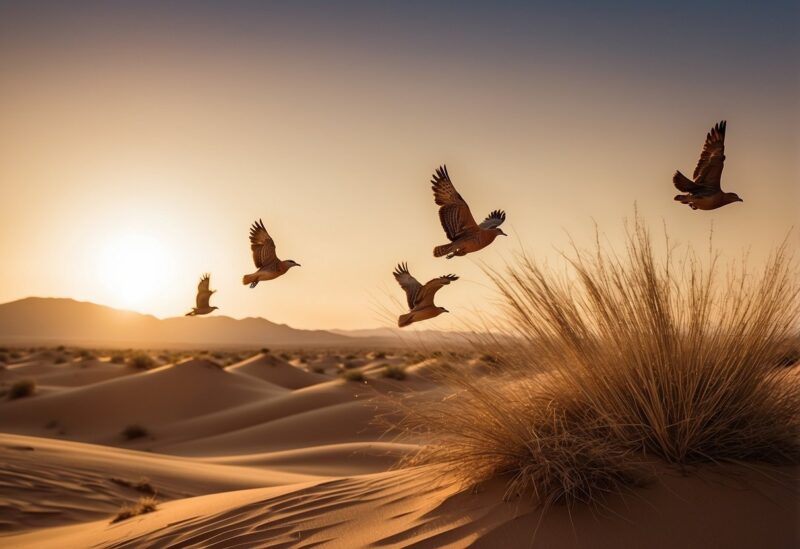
{"x":44,"y":321}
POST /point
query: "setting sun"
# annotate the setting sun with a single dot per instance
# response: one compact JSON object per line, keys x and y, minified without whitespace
{"x":130,"y":267}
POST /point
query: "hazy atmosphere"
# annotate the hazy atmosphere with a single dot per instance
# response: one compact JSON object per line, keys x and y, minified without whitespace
{"x":399,"y":274}
{"x":140,"y":141}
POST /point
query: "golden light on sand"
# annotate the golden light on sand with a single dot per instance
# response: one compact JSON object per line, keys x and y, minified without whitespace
{"x":129,"y":266}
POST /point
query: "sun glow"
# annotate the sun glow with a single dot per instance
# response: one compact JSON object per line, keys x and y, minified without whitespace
{"x":130,"y":267}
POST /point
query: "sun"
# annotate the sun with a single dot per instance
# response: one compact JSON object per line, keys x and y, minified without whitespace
{"x":131,"y":267}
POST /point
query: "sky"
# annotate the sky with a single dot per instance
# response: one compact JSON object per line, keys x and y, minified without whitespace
{"x":139,"y":140}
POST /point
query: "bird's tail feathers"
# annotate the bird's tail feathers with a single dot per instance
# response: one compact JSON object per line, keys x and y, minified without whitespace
{"x":444,"y":249}
{"x":405,"y":320}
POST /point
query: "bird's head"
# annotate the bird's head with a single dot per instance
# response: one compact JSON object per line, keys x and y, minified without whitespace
{"x":214,"y":308}
{"x":442,"y":310}
{"x":292,"y":263}
{"x":500,"y":232}
{"x":732,"y":197}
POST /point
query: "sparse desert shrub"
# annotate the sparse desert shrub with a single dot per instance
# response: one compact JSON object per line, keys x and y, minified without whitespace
{"x":15,"y":355}
{"x":3,"y":357}
{"x":626,"y":360}
{"x":117,"y":358}
{"x":21,"y":388}
{"x":318,"y":369}
{"x":264,"y":351}
{"x":142,"y":485}
{"x":60,"y":359}
{"x":141,"y":507}
{"x":60,"y":348}
{"x":394,"y":371}
{"x":354,"y":375}
{"x":134,"y":431}
{"x":86,"y":355}
{"x":142,"y":361}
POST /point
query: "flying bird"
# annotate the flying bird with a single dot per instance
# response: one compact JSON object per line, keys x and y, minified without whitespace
{"x":203,"y":296}
{"x":263,"y":247}
{"x":419,"y":297}
{"x":704,"y":193}
{"x":465,"y":235}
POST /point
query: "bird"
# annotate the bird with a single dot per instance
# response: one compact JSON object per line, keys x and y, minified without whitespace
{"x":704,"y":193}
{"x":465,"y":235}
{"x":203,"y":296}
{"x":419,"y":297}
{"x":263,"y":247}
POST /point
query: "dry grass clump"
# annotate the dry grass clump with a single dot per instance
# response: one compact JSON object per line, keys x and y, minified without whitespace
{"x":142,"y":361}
{"x":144,"y":505}
{"x":134,"y":431}
{"x":142,"y":485}
{"x":21,"y":388}
{"x":393,"y":371}
{"x":354,"y":375}
{"x":622,"y":361}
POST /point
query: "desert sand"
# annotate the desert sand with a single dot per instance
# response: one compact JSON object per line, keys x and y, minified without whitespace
{"x":285,"y":451}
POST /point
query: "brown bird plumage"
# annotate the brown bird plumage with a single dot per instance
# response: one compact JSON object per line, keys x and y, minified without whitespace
{"x":705,"y":192}
{"x":465,"y":235}
{"x":419,"y":297}
{"x":263,"y":247}
{"x":203,"y":296}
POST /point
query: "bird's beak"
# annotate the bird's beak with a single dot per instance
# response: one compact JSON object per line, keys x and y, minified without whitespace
{"x":502,"y":233}
{"x":445,"y":311}
{"x":740,"y":200}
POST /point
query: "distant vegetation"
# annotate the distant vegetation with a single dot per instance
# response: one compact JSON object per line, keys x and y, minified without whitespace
{"x":142,"y":485}
{"x":624,"y":360}
{"x":144,"y":505}
{"x":354,"y":375}
{"x":22,"y":388}
{"x":394,"y":371}
{"x":142,"y":361}
{"x":132,"y":432}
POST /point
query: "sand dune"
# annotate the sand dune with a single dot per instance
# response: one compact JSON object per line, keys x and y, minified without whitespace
{"x":99,"y":412}
{"x":275,"y":370}
{"x":264,"y":453}
{"x":75,"y":373}
{"x":335,"y":424}
{"x":353,"y":458}
{"x":405,"y":508}
{"x":47,"y":482}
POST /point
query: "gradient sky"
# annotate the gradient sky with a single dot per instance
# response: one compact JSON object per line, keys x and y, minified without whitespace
{"x":139,"y":140}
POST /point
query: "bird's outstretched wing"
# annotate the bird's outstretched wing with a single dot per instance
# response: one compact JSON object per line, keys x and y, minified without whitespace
{"x":204,"y":292}
{"x":454,"y":213}
{"x":709,"y":168}
{"x":493,"y":220}
{"x":425,"y":298}
{"x":409,"y":284}
{"x":263,"y":247}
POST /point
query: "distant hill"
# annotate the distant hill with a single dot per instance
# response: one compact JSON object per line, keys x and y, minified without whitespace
{"x":58,"y":320}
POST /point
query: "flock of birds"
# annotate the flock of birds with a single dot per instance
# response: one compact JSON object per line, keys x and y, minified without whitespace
{"x":702,"y":192}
